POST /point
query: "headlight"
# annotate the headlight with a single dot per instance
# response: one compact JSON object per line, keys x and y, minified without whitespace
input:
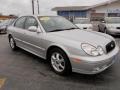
{"x":91,"y":50}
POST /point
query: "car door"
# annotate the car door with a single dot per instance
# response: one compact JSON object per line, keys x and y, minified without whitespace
{"x":19,"y":31}
{"x":34,"y":39}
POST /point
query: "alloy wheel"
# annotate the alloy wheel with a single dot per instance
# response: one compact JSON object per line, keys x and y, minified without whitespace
{"x":58,"y":62}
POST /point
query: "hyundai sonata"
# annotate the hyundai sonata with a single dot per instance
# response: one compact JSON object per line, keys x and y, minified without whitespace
{"x":63,"y":44}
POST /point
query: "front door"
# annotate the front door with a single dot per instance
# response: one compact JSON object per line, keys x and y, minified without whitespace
{"x":33,"y":38}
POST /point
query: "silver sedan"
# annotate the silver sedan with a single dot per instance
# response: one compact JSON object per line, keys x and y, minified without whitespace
{"x":63,"y":44}
{"x":111,"y":26}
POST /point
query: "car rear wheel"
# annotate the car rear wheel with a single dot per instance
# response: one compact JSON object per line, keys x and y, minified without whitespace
{"x":99,"y":30}
{"x":12,"y":43}
{"x":105,"y":30}
{"x":60,"y":62}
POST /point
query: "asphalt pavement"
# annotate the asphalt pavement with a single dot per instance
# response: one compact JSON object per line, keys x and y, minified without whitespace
{"x":20,"y":70}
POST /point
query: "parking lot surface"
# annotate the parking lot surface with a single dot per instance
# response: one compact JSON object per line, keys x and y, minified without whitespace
{"x":20,"y":70}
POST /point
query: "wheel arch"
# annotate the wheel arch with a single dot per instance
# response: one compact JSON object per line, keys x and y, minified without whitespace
{"x":56,"y":46}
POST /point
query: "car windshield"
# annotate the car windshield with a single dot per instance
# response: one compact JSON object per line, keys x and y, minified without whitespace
{"x":82,"y":21}
{"x":112,"y":20}
{"x":56,"y":23}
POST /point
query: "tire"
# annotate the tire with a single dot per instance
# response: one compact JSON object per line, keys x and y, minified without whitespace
{"x":59,"y":62}
{"x":99,"y":29}
{"x":102,"y":31}
{"x":12,"y":43}
{"x":105,"y":30}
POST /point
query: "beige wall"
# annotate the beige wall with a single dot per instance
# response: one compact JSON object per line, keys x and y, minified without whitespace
{"x":109,"y":8}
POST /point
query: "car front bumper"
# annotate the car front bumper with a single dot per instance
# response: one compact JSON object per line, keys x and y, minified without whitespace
{"x":93,"y":65}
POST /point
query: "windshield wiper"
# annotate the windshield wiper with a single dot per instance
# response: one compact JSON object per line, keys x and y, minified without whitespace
{"x":62,"y":29}
{"x":71,"y":28}
{"x":57,"y":30}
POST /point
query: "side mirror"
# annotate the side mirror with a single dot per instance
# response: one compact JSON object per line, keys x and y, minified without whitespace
{"x":33,"y":28}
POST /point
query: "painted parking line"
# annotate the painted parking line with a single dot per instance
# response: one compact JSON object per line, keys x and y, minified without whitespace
{"x":2,"y":82}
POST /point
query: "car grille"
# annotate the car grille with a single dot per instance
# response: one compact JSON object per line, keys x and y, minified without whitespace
{"x":110,"y":46}
{"x":118,"y":27}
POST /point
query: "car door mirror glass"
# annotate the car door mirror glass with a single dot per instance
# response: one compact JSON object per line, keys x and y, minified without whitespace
{"x":33,"y":28}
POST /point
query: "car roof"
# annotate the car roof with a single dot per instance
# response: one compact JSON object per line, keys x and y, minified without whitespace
{"x":41,"y":15}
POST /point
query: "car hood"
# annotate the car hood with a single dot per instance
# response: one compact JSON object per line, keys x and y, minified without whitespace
{"x":113,"y":25}
{"x":84,"y":25}
{"x":87,"y":25}
{"x":82,"y":36}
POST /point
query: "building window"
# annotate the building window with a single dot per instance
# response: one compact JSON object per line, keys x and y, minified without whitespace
{"x":73,"y":13}
{"x":113,"y":14}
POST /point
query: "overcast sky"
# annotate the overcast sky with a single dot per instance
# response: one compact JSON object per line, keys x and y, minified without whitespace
{"x":22,"y":7}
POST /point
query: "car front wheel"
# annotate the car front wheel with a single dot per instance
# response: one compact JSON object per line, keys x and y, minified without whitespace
{"x":60,"y":62}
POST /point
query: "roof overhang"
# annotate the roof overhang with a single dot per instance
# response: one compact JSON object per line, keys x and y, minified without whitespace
{"x":69,"y":8}
{"x":76,"y":8}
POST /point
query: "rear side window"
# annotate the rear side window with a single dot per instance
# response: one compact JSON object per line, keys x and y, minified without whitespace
{"x":31,"y":21}
{"x":20,"y":22}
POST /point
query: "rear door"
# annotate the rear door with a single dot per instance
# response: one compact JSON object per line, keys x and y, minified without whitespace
{"x":19,"y":31}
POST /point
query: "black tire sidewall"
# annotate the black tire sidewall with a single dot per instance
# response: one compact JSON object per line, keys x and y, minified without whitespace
{"x":99,"y":29}
{"x":105,"y":30}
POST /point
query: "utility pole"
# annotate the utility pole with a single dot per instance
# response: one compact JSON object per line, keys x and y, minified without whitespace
{"x":33,"y":7}
{"x":38,"y":6}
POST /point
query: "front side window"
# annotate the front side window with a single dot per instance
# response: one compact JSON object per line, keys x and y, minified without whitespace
{"x":20,"y":22}
{"x":56,"y":23}
{"x":31,"y":21}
